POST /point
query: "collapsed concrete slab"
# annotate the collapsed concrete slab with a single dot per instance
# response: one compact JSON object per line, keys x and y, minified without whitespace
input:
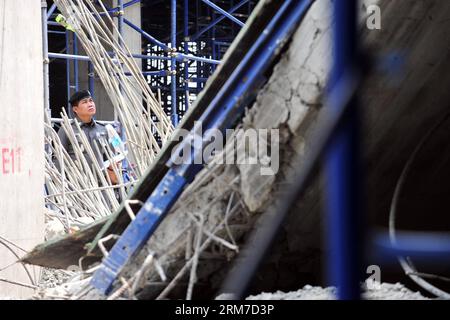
{"x":194,"y":247}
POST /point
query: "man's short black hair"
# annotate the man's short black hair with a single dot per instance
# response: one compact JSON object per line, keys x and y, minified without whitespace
{"x":79,"y":95}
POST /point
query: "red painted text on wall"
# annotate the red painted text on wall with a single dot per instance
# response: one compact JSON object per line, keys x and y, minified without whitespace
{"x":10,"y":160}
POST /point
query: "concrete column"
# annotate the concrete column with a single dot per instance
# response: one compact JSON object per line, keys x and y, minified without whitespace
{"x":131,"y":37}
{"x":105,"y":110}
{"x":21,"y":140}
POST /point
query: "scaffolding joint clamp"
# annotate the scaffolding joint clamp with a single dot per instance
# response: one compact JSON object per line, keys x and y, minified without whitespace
{"x":172,"y":53}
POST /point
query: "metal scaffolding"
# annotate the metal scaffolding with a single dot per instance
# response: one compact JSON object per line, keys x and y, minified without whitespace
{"x":181,"y":49}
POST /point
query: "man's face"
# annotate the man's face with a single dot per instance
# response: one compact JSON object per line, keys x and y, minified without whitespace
{"x":85,"y":108}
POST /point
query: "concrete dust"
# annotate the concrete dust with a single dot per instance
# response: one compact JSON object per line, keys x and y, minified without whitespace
{"x":384,"y":291}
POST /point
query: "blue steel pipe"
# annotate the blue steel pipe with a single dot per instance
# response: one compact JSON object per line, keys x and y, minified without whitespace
{"x":75,"y":61}
{"x":67,"y":56}
{"x":51,"y":10}
{"x":53,"y":23}
{"x":178,"y":56}
{"x":226,"y":14}
{"x":57,"y":32}
{"x":197,"y":79}
{"x":186,"y":51}
{"x":163,"y":73}
{"x":173,"y":64}
{"x":213,"y":41}
{"x":67,"y":72}
{"x":216,"y":21}
{"x":182,"y":56}
{"x":167,"y":89}
{"x":120,"y":23}
{"x":420,"y":246}
{"x":121,"y":44}
{"x":86,"y":58}
{"x":344,"y":264}
{"x":120,"y":29}
{"x":146,"y":35}
{"x":223,"y":43}
{"x":221,"y":112}
{"x":130,"y":3}
{"x":149,"y":57}
{"x":91,"y":79}
{"x":197,"y":68}
{"x":46,"y":62}
{"x":125,"y":5}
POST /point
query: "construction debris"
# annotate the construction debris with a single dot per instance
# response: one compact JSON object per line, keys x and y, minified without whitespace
{"x":385,"y":291}
{"x":78,"y":192}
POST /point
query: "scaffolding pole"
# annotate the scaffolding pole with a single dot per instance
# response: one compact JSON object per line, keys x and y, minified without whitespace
{"x":45,"y":59}
{"x":173,"y":63}
{"x":186,"y":51}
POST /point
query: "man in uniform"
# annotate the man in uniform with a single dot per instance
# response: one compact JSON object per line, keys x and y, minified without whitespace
{"x":84,"y":109}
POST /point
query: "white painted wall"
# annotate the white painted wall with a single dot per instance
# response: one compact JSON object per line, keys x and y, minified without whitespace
{"x":21,"y":137}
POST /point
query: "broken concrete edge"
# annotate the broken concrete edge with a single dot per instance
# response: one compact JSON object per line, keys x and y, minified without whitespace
{"x":67,"y":250}
{"x":52,"y":253}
